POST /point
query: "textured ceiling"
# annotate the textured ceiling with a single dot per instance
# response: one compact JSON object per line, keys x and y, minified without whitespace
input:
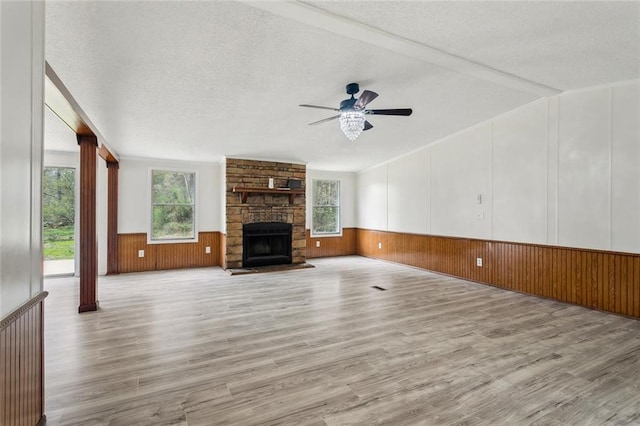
{"x":565,"y":45}
{"x":196,"y":81}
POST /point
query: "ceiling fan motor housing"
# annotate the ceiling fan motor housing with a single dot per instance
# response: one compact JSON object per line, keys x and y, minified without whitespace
{"x":352,"y":88}
{"x":347,"y":104}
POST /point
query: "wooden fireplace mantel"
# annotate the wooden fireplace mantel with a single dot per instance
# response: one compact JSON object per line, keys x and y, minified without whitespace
{"x":244,"y":192}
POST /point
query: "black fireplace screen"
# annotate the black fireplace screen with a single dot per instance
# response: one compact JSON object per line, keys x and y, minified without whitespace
{"x":266,"y":243}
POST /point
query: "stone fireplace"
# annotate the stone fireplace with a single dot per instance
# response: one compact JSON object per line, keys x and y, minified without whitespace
{"x":264,"y":216}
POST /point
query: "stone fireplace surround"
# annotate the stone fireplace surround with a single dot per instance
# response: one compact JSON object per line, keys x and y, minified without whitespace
{"x":261,"y":207}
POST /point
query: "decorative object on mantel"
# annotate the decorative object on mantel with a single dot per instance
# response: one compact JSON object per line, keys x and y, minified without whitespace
{"x":244,"y":192}
{"x":352,"y":112}
{"x":294,"y":183}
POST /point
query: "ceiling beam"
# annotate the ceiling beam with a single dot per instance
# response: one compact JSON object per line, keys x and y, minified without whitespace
{"x":60,"y":101}
{"x":328,"y":21}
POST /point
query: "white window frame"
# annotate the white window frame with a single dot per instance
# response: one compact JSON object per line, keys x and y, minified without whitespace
{"x":150,"y":239}
{"x":327,"y":234}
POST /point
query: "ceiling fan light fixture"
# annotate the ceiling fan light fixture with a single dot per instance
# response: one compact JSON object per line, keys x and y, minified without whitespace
{"x":352,"y":111}
{"x":352,"y":124}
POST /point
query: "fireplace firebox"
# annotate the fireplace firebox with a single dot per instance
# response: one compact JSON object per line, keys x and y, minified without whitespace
{"x":266,"y":243}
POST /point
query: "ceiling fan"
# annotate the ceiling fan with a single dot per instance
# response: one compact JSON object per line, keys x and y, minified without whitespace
{"x":352,"y":112}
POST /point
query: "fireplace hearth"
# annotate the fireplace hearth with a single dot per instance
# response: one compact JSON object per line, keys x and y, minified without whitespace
{"x":266,"y":243}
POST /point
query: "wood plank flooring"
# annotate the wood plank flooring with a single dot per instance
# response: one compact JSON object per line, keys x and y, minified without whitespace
{"x":322,"y":347}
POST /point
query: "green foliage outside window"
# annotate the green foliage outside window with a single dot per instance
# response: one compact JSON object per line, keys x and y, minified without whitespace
{"x":58,"y":189}
{"x":326,"y":207}
{"x":173,"y":200}
{"x":58,"y":212}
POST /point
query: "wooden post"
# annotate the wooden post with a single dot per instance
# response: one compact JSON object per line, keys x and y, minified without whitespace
{"x":88,"y":235}
{"x":112,"y":217}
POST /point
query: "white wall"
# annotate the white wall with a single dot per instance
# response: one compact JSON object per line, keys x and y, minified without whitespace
{"x":222,"y":208}
{"x":21,"y":124}
{"x":409,"y":193}
{"x":134,"y":193}
{"x":347,"y":195}
{"x":519,"y":208}
{"x":460,"y":172}
{"x":62,"y":159}
{"x":560,"y":171}
{"x":625,"y":169}
{"x":584,"y":179}
{"x":372,"y":201}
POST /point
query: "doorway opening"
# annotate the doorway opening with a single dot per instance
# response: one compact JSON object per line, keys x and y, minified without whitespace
{"x":58,"y":220}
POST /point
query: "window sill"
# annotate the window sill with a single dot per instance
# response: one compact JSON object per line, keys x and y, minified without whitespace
{"x":174,"y":241}
{"x":337,"y":234}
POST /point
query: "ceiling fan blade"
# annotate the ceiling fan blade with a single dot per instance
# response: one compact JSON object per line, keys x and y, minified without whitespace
{"x":366,"y":97}
{"x":397,"y":111}
{"x":324,"y":120}
{"x":319,"y":107}
{"x":367,"y":126}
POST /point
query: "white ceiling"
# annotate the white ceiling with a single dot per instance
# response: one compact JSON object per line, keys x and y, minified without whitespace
{"x":197,"y":81}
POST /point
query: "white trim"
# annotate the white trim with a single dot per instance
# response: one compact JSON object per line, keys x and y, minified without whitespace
{"x":312,"y":235}
{"x":601,"y":86}
{"x":150,"y":206}
{"x":491,"y":180}
{"x":430,"y":179}
{"x":386,"y":195}
{"x":547,"y":111}
{"x":174,"y":241}
{"x":334,"y":234}
{"x":36,"y":248}
{"x":557,"y":152}
{"x":610,"y":168}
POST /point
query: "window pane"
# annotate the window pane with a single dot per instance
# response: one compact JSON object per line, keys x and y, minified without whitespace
{"x":171,"y":221}
{"x":173,"y":187}
{"x":58,"y":213}
{"x":326,"y":193}
{"x":325,"y":220}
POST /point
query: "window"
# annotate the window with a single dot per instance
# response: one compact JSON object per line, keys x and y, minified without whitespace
{"x":173,"y":205}
{"x":326,"y":207}
{"x":58,"y":214}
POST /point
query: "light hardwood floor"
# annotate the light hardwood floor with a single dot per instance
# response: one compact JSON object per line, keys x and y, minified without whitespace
{"x":321,"y":347}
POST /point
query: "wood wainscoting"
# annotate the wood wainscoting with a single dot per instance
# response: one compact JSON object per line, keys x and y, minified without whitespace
{"x":166,"y":256}
{"x":343,"y":245}
{"x":22,"y":364}
{"x":602,"y":280}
